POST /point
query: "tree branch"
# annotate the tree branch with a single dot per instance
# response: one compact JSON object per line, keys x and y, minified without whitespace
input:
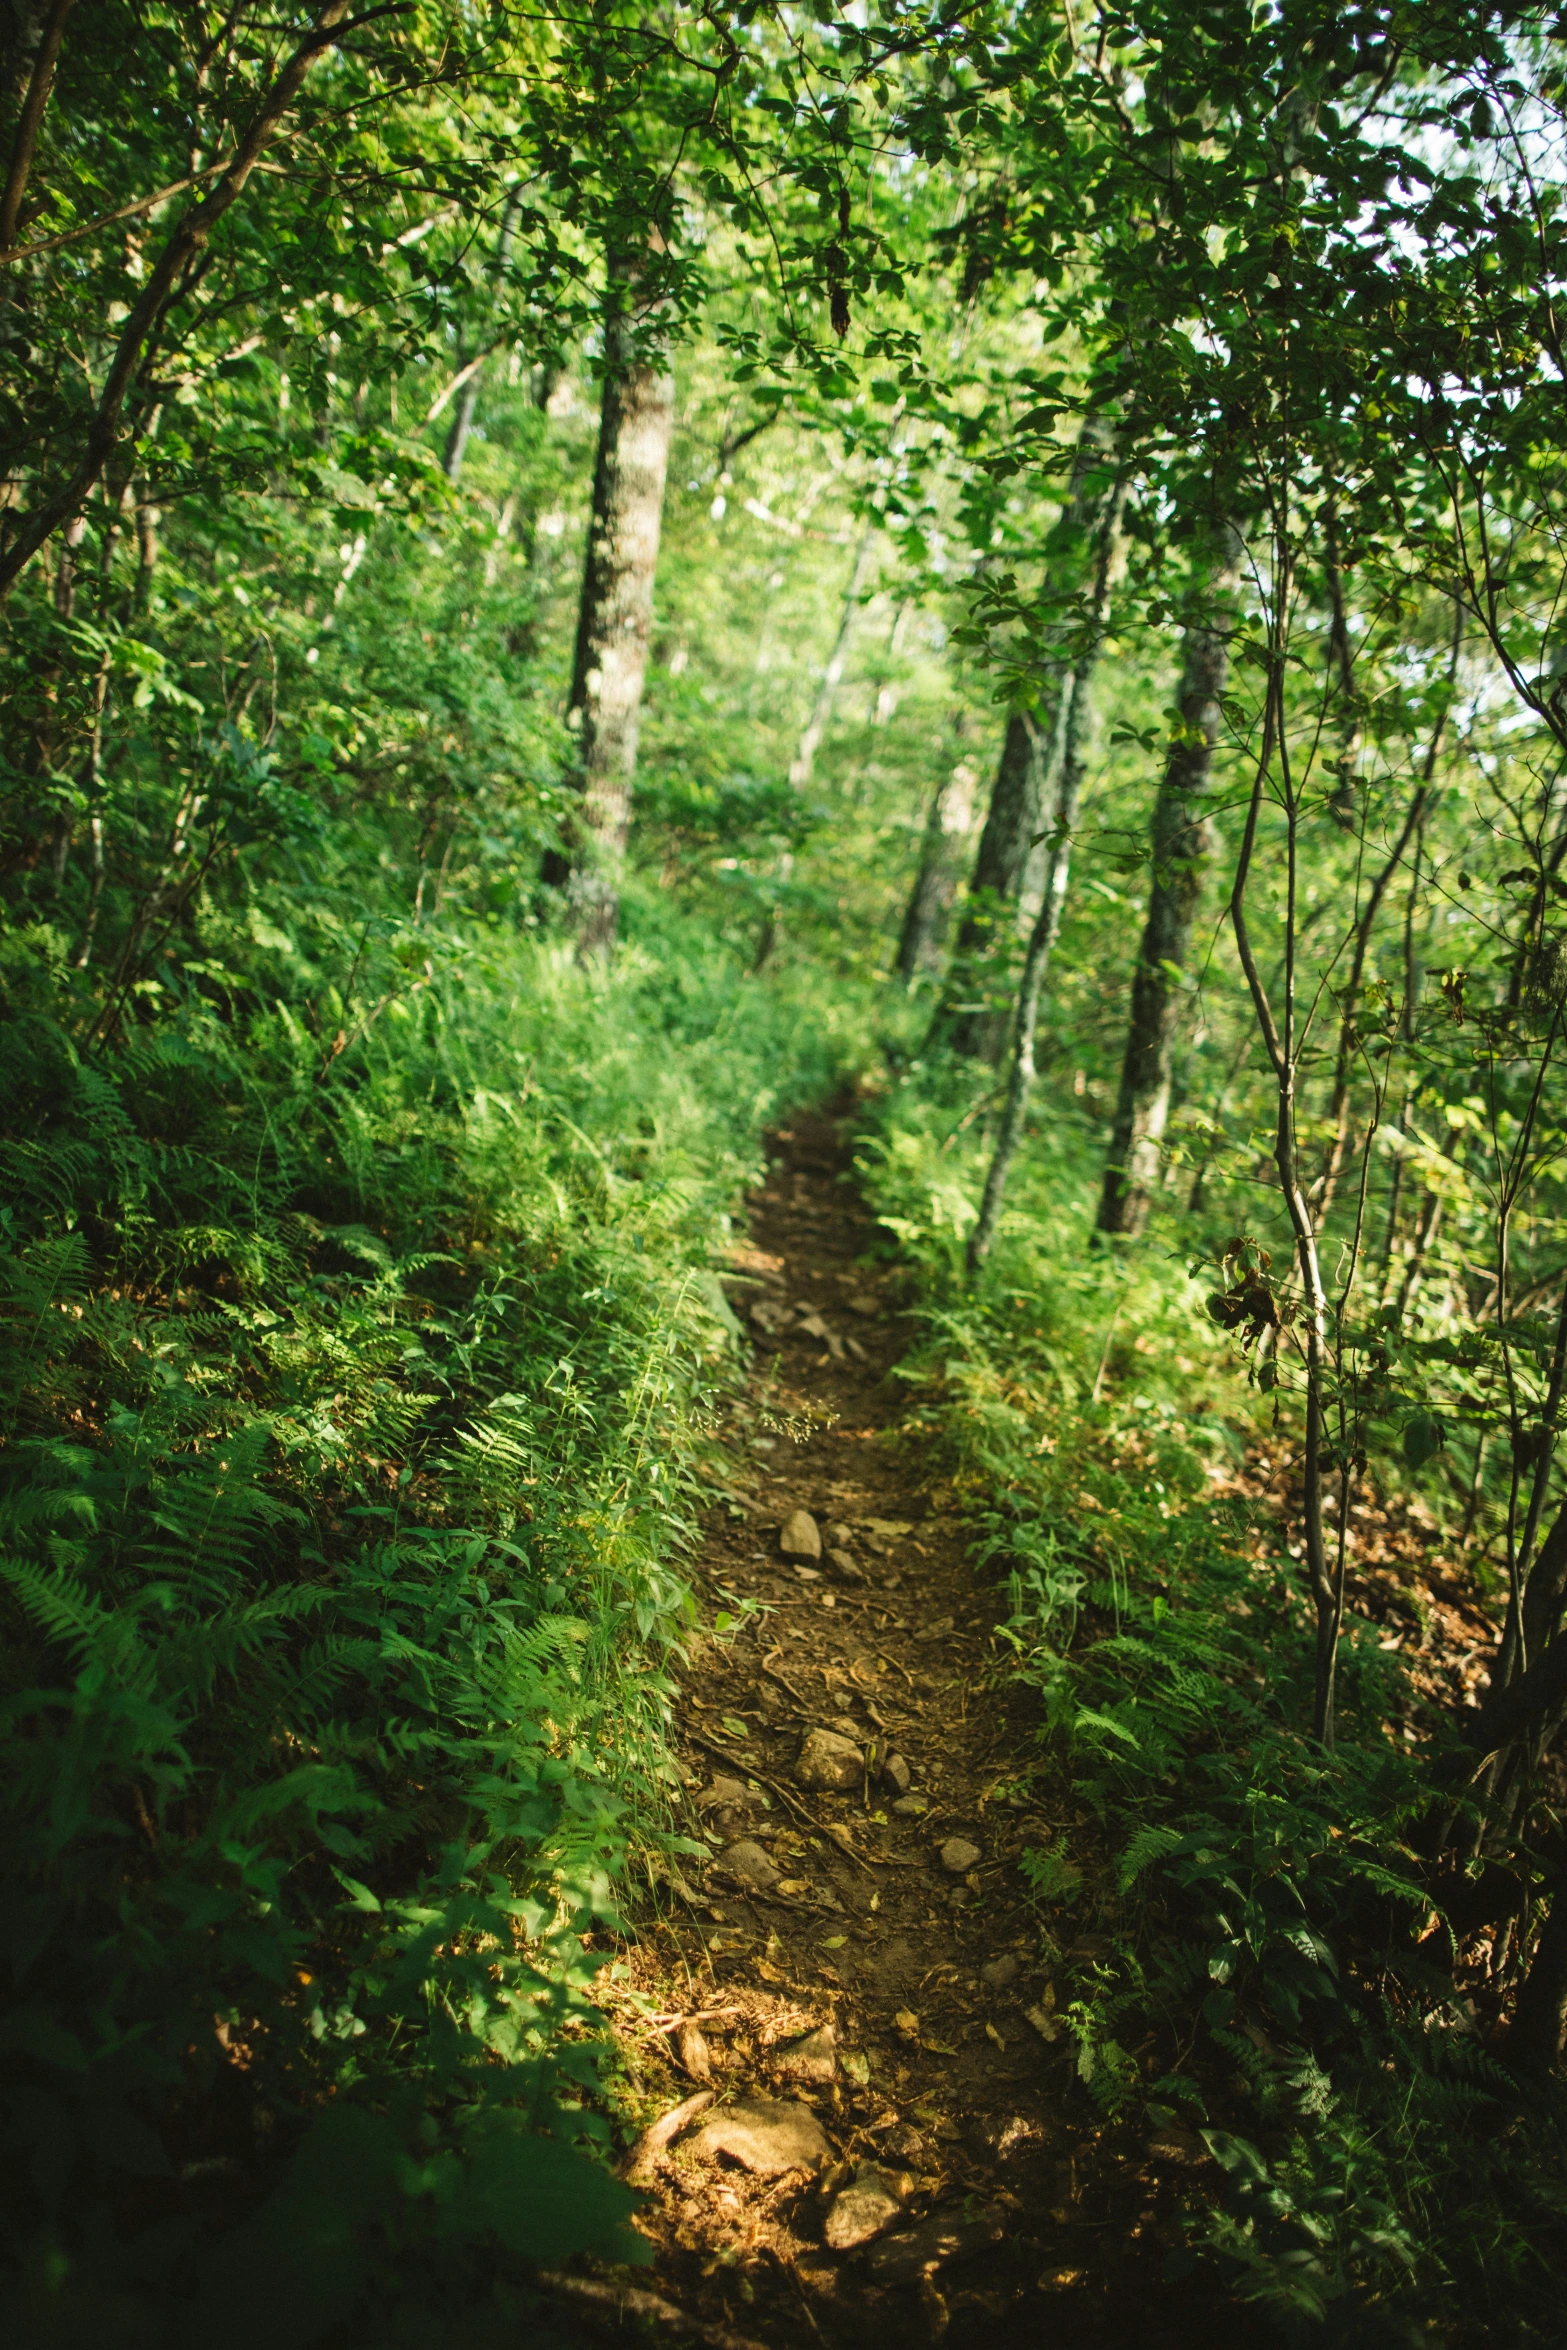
{"x":25,"y":145}
{"x":184,"y":247}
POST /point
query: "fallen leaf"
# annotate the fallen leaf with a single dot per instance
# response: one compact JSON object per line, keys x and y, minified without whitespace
{"x":908,"y":2023}
{"x":992,"y":2034}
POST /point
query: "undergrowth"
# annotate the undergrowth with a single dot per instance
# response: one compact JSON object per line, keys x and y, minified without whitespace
{"x":1260,"y":1918}
{"x":360,"y":1310}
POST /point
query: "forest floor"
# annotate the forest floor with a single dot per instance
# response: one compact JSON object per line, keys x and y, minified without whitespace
{"x":848,"y":2024}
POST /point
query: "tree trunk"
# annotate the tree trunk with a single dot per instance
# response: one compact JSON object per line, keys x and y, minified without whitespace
{"x":1011,"y":825}
{"x":1025,"y":781}
{"x":936,"y":882}
{"x":1539,"y":2024}
{"x":468,"y":398}
{"x":35,"y":97}
{"x":804,"y":760}
{"x":1069,"y":764}
{"x":462,"y":424}
{"x":1182,"y":840}
{"x":614,"y":620}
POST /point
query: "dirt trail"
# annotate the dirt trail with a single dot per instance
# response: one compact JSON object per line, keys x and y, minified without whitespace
{"x":894,"y":1919}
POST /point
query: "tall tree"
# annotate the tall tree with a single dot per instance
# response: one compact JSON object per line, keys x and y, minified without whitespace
{"x":615,"y":616}
{"x":1069,"y":764}
{"x":1181,"y":842}
{"x":947,"y":822}
{"x":971,"y":1020}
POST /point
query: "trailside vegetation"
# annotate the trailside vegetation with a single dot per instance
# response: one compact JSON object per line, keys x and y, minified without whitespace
{"x":571,"y":580}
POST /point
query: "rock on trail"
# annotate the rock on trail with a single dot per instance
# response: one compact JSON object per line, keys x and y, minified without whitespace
{"x":829,"y":1760}
{"x":799,"y":1537}
{"x":763,"y":2134}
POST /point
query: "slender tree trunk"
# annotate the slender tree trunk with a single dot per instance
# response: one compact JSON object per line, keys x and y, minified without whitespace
{"x":1047,"y":922}
{"x":462,"y":424}
{"x":804,"y":760}
{"x":1349,"y":1000}
{"x":936,"y":882}
{"x":1012,"y":822}
{"x":1182,"y":840}
{"x":468,"y":398}
{"x":148,"y":516}
{"x":1539,"y":2025}
{"x":1025,"y":781}
{"x":615,"y":619}
{"x":35,"y":97}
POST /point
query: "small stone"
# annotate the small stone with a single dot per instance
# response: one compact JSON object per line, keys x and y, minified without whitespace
{"x":749,"y":1865}
{"x":897,"y":1774}
{"x":809,"y":1574}
{"x":766,"y":2135}
{"x":695,"y":2056}
{"x":945,"y":2236}
{"x":862,"y":1305}
{"x":1002,"y":1972}
{"x":814,"y":2057}
{"x":726,"y":1795}
{"x":905,"y":2142}
{"x":845,"y":1726}
{"x":911,"y":1807}
{"x":868,"y":2205}
{"x":840,"y":1534}
{"x":908,"y":2023}
{"x":798,"y":1537}
{"x":844,"y":1565}
{"x":827,"y":1761}
{"x":958,"y":1855}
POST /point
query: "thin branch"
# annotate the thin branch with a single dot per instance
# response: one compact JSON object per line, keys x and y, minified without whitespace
{"x":25,"y":145}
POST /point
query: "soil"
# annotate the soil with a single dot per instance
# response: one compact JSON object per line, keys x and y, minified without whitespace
{"x":1014,"y":2217}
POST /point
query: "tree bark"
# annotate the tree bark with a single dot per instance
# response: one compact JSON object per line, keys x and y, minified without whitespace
{"x":1539,"y":2025}
{"x":1182,"y":841}
{"x":936,"y":882}
{"x":1069,"y":765}
{"x":615,"y":619}
{"x":1025,"y":781}
{"x":1011,"y":824}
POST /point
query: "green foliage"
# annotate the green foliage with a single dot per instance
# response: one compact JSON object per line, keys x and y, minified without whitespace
{"x":1261,"y":1903}
{"x":351,"y":1414}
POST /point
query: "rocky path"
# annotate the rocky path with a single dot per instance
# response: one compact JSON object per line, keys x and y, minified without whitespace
{"x":867,"y":2128}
